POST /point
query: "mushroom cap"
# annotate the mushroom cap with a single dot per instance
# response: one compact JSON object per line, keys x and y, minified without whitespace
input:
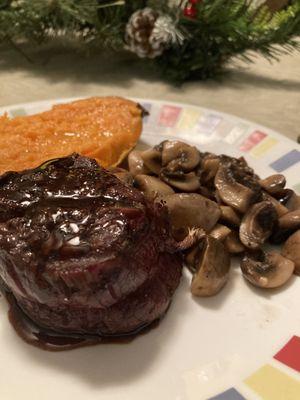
{"x":229,"y":216}
{"x":209,"y":168}
{"x":257,"y":224}
{"x":186,"y":182}
{"x":152,"y":159}
{"x":267,"y":270}
{"x":152,"y":187}
{"x":191,"y":210}
{"x":283,"y":195}
{"x":287,"y":224}
{"x":136,"y":164}
{"x":236,"y":189}
{"x":290,"y":220}
{"x":273,"y":183}
{"x":291,"y":250}
{"x":178,"y":155}
{"x":294,"y":202}
{"x":280,"y":208}
{"x":212,"y":263}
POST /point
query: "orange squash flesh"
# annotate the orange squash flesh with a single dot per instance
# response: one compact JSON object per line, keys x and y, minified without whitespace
{"x":104,"y":128}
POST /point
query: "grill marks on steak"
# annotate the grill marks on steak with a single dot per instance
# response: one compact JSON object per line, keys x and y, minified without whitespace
{"x":83,"y":252}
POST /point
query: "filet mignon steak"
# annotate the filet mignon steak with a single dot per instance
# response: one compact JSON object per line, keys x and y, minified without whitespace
{"x":83,"y":252}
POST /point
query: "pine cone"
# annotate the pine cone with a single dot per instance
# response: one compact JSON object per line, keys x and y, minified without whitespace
{"x":141,"y":36}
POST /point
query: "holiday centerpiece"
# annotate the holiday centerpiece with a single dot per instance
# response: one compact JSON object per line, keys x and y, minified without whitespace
{"x":190,"y":39}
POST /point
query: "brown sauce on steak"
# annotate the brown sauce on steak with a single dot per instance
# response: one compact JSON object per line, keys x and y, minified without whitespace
{"x":84,"y":255}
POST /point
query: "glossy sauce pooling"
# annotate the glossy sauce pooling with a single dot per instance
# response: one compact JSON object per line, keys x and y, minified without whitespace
{"x":48,"y":340}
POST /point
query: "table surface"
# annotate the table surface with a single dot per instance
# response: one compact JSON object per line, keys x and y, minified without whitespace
{"x":265,"y":93}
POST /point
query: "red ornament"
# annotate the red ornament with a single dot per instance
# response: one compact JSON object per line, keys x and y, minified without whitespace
{"x":190,"y":11}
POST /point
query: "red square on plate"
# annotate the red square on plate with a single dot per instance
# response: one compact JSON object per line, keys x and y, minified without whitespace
{"x":290,"y":354}
{"x":252,"y":140}
{"x":169,"y":116}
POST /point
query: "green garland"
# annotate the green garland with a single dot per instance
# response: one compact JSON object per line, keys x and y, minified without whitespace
{"x":220,"y":31}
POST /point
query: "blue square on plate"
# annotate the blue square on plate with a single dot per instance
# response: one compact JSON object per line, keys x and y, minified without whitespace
{"x":286,"y":161}
{"x":230,"y":394}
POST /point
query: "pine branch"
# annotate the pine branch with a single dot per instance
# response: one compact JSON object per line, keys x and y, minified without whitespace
{"x":222,"y":29}
{"x":236,"y":29}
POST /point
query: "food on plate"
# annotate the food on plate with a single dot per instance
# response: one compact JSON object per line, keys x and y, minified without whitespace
{"x":93,"y":253}
{"x":191,"y":210}
{"x":258,"y":224}
{"x":237,"y":210}
{"x":84,"y":253}
{"x":211,"y":263}
{"x":267,"y":270}
{"x":291,"y":250}
{"x":103,"y":128}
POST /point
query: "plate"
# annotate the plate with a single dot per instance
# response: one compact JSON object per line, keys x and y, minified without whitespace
{"x":240,"y":344}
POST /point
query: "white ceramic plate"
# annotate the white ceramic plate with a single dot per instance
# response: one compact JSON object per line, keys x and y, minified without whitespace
{"x":221,"y":347}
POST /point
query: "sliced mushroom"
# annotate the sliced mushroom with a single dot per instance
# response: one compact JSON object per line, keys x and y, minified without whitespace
{"x":273,"y":184}
{"x":291,"y":250}
{"x":122,"y":174}
{"x":233,"y":244}
{"x":280,"y":208}
{"x":189,"y":211}
{"x":136,"y":164}
{"x":188,"y":182}
{"x":257,"y":224}
{"x":152,"y":187}
{"x":229,"y":238}
{"x":284,"y":195}
{"x":290,"y":221}
{"x":229,"y":216}
{"x":233,"y":193}
{"x":220,"y":232}
{"x":209,"y":168}
{"x":212,"y":264}
{"x":267,"y":270}
{"x":294,"y":202}
{"x":179,"y":156}
{"x":287,"y":224}
{"x":210,"y":194}
{"x":152,"y":159}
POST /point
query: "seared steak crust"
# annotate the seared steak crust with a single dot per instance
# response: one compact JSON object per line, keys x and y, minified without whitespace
{"x":81,"y":251}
